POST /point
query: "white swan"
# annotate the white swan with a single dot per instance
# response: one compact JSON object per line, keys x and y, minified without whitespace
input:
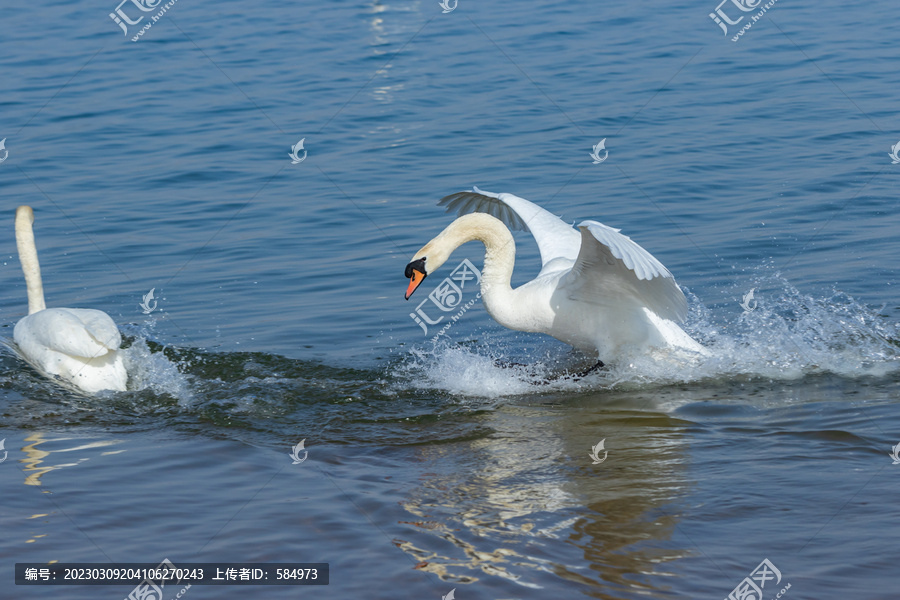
{"x":597,"y":289}
{"x":79,"y":345}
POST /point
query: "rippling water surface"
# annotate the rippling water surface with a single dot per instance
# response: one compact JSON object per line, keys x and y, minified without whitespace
{"x":460,"y":462}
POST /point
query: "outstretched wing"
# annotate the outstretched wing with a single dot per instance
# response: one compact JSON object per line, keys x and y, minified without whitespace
{"x":555,"y":239}
{"x":610,"y":266}
{"x":83,"y":332}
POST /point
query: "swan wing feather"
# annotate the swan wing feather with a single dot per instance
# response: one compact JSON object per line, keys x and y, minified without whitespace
{"x":611,"y":265}
{"x":83,"y":332}
{"x":554,"y":237}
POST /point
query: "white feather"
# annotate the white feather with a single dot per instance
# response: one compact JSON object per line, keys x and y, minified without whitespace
{"x":78,"y":345}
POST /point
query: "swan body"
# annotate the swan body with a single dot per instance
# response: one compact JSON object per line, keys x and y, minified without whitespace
{"x":597,"y":289}
{"x":78,"y":345}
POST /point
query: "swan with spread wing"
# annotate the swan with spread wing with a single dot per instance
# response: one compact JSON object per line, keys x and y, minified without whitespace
{"x":597,"y":289}
{"x":78,"y":345}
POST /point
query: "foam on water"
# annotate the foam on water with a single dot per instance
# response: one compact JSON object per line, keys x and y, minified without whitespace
{"x":153,"y":371}
{"x":786,"y":335}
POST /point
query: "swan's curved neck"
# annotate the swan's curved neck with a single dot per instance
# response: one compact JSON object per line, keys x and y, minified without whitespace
{"x":29,"y":259}
{"x":499,"y":260}
{"x":499,"y":246}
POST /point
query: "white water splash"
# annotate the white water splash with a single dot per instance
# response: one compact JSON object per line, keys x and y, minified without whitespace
{"x":153,"y":371}
{"x":788,"y":336}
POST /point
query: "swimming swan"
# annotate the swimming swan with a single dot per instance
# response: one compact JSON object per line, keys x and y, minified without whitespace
{"x":597,"y":289}
{"x":80,"y":345}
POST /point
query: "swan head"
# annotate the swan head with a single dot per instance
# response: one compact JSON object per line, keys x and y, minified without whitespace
{"x":416,"y":272}
{"x":436,"y":252}
{"x":24,"y":215}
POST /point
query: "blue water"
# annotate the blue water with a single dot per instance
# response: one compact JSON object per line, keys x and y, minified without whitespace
{"x":760,"y":164}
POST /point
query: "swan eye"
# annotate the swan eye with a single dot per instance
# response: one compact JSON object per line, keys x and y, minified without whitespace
{"x":417,"y":265}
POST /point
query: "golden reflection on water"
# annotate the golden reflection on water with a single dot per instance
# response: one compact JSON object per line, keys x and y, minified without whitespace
{"x":496,"y":499}
{"x":36,"y":457}
{"x":39,"y":460}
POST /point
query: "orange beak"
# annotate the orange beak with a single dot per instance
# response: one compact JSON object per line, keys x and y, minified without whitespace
{"x":415,"y":280}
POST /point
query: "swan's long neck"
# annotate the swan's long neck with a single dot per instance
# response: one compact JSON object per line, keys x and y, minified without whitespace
{"x":29,"y":259}
{"x":499,"y":260}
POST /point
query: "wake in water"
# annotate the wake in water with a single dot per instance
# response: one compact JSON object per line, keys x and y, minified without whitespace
{"x":781,"y":334}
{"x":153,"y":371}
{"x":147,"y":371}
{"x":287,"y":399}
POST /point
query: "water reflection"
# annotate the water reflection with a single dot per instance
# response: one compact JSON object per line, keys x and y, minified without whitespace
{"x":496,"y":505}
{"x":393,"y":23}
{"x":390,"y":25}
{"x":37,"y":454}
